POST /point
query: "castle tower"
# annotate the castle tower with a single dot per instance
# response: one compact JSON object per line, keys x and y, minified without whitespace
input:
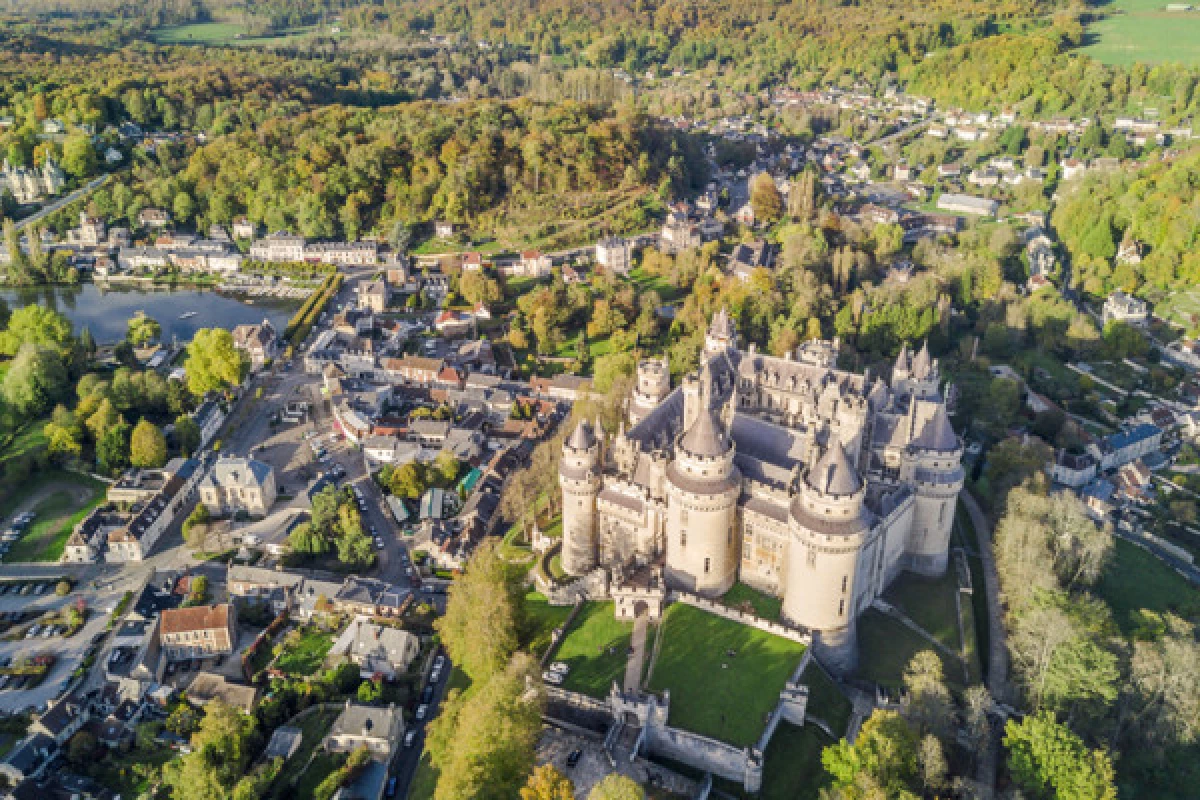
{"x":932,"y":463}
{"x":917,"y":376}
{"x":579,"y":477}
{"x":703,"y":486}
{"x":829,"y":524}
{"x":652,"y":387}
{"x":721,"y":335}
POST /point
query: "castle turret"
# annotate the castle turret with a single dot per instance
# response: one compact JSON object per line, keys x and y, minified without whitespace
{"x":722,"y":335}
{"x":652,"y":387}
{"x":829,"y":524}
{"x":918,"y":376}
{"x":703,"y":486}
{"x":579,"y":477}
{"x":932,"y":463}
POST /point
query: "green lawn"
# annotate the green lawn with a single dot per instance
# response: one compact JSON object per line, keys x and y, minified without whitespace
{"x":424,"y":780}
{"x":541,"y":619}
{"x":595,"y":647}
{"x":929,"y":602}
{"x":1136,"y":580}
{"x":825,"y":700}
{"x":743,"y":598}
{"x":26,"y":441}
{"x":715,"y":694}
{"x":964,"y":533}
{"x":305,"y":656}
{"x":208,"y":33}
{"x":886,"y":646}
{"x":71,"y":496}
{"x":793,"y":768}
{"x":645,"y":282}
{"x":1144,"y":32}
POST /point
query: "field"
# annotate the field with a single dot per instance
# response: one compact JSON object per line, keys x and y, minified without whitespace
{"x":743,"y":598}
{"x":595,"y":647}
{"x":1136,"y":579}
{"x":727,"y":697}
{"x":222,"y":34}
{"x":1142,"y":30}
{"x":60,"y":500}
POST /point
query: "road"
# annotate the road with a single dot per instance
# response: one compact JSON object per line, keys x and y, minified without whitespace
{"x":62,"y":202}
{"x":407,"y":759}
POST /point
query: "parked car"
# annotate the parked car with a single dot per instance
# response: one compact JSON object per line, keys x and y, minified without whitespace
{"x":410,"y":737}
{"x":422,"y":710}
{"x":552,"y":678}
{"x":560,"y":668}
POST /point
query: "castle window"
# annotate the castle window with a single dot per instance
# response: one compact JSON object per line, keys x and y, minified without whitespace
{"x":942,"y":515}
{"x":683,"y":538}
{"x":844,"y":579}
{"x":707,"y":565}
{"x":812,"y":558}
{"x":841,"y":607}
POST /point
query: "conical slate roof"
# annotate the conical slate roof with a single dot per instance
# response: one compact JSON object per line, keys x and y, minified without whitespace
{"x":922,"y":363}
{"x":706,"y":437}
{"x":937,"y":434}
{"x":833,"y":473}
{"x":581,"y":437}
{"x":902,"y":361}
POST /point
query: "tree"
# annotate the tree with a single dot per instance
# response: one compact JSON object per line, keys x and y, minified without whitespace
{"x":616,"y":786}
{"x":38,"y":325}
{"x":547,"y":783}
{"x":369,"y":692}
{"x":79,"y":158}
{"x":213,"y":363}
{"x":889,"y":238}
{"x":480,"y":624}
{"x":147,"y":445}
{"x":112,"y":449}
{"x":305,"y":539}
{"x":355,"y":549}
{"x":221,"y":750}
{"x":765,"y":199}
{"x":929,"y":707}
{"x":62,"y":588}
{"x":932,"y":763}
{"x":483,"y":744}
{"x":64,"y":435}
{"x":35,"y":379}
{"x":1049,"y":761}
{"x":187,"y":434}
{"x":82,"y":748}
{"x":142,"y":329}
{"x":883,"y":757}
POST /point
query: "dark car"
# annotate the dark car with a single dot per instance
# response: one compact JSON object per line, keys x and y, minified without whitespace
{"x":427,"y":695}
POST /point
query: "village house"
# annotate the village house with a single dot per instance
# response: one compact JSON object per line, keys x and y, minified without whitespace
{"x":614,"y":254}
{"x":243,"y":228}
{"x":154,"y":218}
{"x":238,"y":485}
{"x":198,"y":632}
{"x":259,"y":342}
{"x":1121,"y":307}
{"x":373,"y":295}
{"x":377,"y":650}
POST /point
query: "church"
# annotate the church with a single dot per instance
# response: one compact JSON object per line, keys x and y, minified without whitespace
{"x":801,"y":480}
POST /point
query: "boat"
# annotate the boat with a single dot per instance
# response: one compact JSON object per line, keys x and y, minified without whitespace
{"x":188,"y":314}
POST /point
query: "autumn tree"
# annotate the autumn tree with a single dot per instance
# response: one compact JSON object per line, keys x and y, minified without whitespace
{"x":547,"y":783}
{"x":616,"y":786}
{"x":765,"y":199}
{"x":213,"y":363}
{"x":479,"y":627}
{"x":147,"y":445}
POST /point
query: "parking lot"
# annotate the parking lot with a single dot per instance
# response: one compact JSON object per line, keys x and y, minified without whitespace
{"x":22,"y":603}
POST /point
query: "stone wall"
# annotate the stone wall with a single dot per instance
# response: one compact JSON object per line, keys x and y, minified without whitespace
{"x":733,"y":614}
{"x":700,"y":752}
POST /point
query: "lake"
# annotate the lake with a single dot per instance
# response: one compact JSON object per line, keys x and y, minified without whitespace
{"x":106,"y":311}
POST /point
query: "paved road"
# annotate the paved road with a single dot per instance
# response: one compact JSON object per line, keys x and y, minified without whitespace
{"x":62,"y":202}
{"x":405,"y":765}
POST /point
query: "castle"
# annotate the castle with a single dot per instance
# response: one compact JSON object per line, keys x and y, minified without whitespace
{"x":809,"y":483}
{"x":31,"y":184}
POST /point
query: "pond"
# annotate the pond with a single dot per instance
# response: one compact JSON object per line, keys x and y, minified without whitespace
{"x":106,"y":311}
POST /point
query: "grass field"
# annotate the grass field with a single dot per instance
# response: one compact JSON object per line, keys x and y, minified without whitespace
{"x":715,"y":694}
{"x":929,"y":602}
{"x":306,"y":655}
{"x":743,"y":598}
{"x":886,"y":646}
{"x":27,"y":440}
{"x":825,"y":699}
{"x":541,"y":619}
{"x":1142,"y":30}
{"x":65,"y":498}
{"x":1180,"y":307}
{"x":595,"y":647}
{"x":1135,"y":579}
{"x":222,"y":34}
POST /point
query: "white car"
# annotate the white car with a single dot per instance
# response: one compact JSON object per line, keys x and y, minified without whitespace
{"x":422,"y":710}
{"x":560,"y":668}
{"x":439,"y":662}
{"x":378,"y":544}
{"x":410,"y":737}
{"x":552,"y":678}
